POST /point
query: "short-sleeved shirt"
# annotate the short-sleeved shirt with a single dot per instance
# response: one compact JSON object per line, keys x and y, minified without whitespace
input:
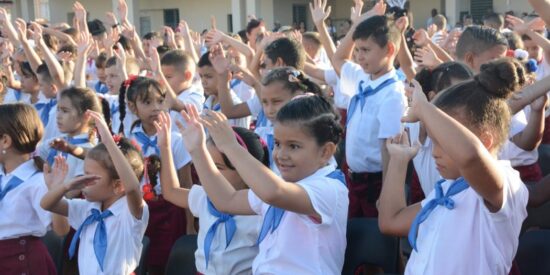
{"x":124,"y":237}
{"x":301,"y":245}
{"x":243,"y":122}
{"x":238,"y":256}
{"x":510,"y":151}
{"x":76,"y":165}
{"x":194,"y":95}
{"x":424,"y":162}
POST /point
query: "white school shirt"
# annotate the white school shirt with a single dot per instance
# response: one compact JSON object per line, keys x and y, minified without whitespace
{"x":543,"y":69}
{"x":76,"y":165}
{"x":510,"y":151}
{"x":12,"y":94}
{"x":243,"y":122}
{"x":238,"y":256}
{"x":469,"y":239}
{"x":194,"y":95}
{"x":300,"y":245}
{"x":379,"y":119}
{"x":129,"y":117}
{"x":179,"y":154}
{"x":424,"y":162}
{"x":50,"y":130}
{"x":20,"y":208}
{"x":244,"y":91}
{"x":124,"y":236}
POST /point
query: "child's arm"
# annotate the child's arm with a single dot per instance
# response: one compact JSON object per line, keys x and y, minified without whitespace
{"x":124,"y":170}
{"x":80,"y":17}
{"x":12,"y":82}
{"x":171,"y":98}
{"x":421,"y":38}
{"x":188,"y":40}
{"x":84,"y":47}
{"x":129,"y":32}
{"x":8,"y":27}
{"x":404,"y":55}
{"x":219,"y":190}
{"x":30,"y":53}
{"x":169,"y":181}
{"x":60,"y":35}
{"x":394,"y":216}
{"x":319,"y":13}
{"x":531,"y":136}
{"x":528,"y":94}
{"x":54,"y":67}
{"x":542,"y":7}
{"x":216,"y":36}
{"x":474,"y":161}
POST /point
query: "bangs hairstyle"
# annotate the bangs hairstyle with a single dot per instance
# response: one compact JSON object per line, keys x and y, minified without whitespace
{"x":24,"y":126}
{"x":482,"y":100}
{"x":442,"y":76}
{"x":179,"y":59}
{"x":84,"y":99}
{"x":380,"y":28}
{"x":284,"y":74}
{"x":478,"y":39}
{"x":316,"y":116}
{"x":100,"y":154}
{"x":140,"y":89}
{"x":288,"y":50}
{"x":252,"y":143}
{"x":26,"y":70}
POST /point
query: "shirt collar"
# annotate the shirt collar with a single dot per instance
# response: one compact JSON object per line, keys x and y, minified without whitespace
{"x":321,"y":172}
{"x":139,"y":129}
{"x":116,"y":208}
{"x":23,"y":171}
{"x":375,"y":83}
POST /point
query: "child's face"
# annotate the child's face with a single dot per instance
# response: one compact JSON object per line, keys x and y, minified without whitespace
{"x":370,"y":56}
{"x":176,"y":78}
{"x":311,"y":48}
{"x":149,"y":109}
{"x":296,"y":153}
{"x":29,"y":84}
{"x":209,"y":80}
{"x":113,"y":79}
{"x":101,"y":76}
{"x":69,"y":120}
{"x":274,"y":97}
{"x":230,"y":175}
{"x":103,"y":188}
{"x":534,"y":50}
{"x":46,"y":87}
{"x":487,"y":56}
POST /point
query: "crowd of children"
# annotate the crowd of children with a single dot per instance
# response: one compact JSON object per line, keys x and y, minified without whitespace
{"x":265,"y":144}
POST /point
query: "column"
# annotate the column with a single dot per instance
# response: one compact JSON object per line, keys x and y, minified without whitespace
{"x":133,"y":10}
{"x":251,"y":8}
{"x":452,"y":11}
{"x":237,"y":16}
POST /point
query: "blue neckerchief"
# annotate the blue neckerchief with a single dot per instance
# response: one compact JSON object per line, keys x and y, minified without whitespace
{"x":270,"y":146}
{"x":274,"y":215}
{"x":12,"y":184}
{"x":101,"y":88}
{"x":440,"y":199}
{"x":114,"y":108}
{"x":234,"y":83}
{"x":230,"y":229}
{"x":262,"y":120}
{"x":146,"y":142}
{"x":18,"y":95}
{"x":71,"y":141}
{"x":361,"y":96}
{"x":100,"y":235}
{"x":45,"y":109}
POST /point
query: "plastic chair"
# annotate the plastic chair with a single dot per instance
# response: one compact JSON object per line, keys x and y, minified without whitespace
{"x":367,"y":245}
{"x":534,"y":252}
{"x":182,"y":256}
{"x":142,"y":268}
{"x":54,"y":244}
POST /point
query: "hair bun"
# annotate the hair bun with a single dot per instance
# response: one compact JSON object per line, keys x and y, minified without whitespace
{"x":501,"y":77}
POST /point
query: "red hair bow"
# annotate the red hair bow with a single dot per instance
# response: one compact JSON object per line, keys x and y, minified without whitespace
{"x":129,"y":81}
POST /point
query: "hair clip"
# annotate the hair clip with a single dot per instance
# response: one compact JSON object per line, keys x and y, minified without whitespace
{"x":240,"y":140}
{"x":129,"y":81}
{"x":117,"y":139}
{"x":531,"y":65}
{"x":308,"y":94}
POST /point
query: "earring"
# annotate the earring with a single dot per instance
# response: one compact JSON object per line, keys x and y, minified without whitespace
{"x":3,"y":152}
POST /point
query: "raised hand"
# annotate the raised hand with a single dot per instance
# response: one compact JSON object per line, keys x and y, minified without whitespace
{"x":120,"y":53}
{"x":55,"y":175}
{"x":154,"y":59}
{"x":517,"y":24}
{"x":219,"y":129}
{"x":36,"y":32}
{"x":193,"y":132}
{"x":218,"y":59}
{"x":100,"y":124}
{"x":110,"y":19}
{"x":184,"y":28}
{"x":214,"y":37}
{"x":170,"y":39}
{"x":356,"y":10}
{"x":84,"y":44}
{"x":399,"y":147}
{"x":21,"y":27}
{"x":164,"y":129}
{"x":122,"y":10}
{"x":111,"y":39}
{"x":421,"y":37}
{"x":418,"y":100}
{"x":426,"y":57}
{"x":60,"y":144}
{"x":4,"y":16}
{"x":79,"y":12}
{"x":378,"y":9}
{"x":129,"y":31}
{"x":81,"y":182}
{"x":319,"y":11}
{"x":540,"y":103}
{"x":402,"y":23}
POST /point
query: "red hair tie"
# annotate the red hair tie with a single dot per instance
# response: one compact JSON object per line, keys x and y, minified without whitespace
{"x":129,"y":81}
{"x":117,"y":138}
{"x":147,"y":189}
{"x":510,"y":53}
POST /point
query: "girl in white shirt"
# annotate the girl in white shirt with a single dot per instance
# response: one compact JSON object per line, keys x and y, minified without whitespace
{"x":305,"y":210}
{"x":226,"y":243}
{"x":467,"y":124}
{"x":111,"y":221}
{"x":22,"y":186}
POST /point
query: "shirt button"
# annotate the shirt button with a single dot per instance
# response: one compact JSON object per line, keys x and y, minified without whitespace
{"x":21,"y":257}
{"x":22,"y":242}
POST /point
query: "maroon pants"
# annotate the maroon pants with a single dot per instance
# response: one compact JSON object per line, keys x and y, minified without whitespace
{"x":364,"y":191}
{"x":416,"y":193}
{"x":530,"y":173}
{"x":25,"y":255}
{"x":166,"y":224}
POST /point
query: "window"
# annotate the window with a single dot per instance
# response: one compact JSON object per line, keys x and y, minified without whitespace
{"x":299,"y":15}
{"x":171,"y":18}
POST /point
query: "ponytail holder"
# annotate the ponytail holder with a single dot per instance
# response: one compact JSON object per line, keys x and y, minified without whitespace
{"x":510,"y":53}
{"x":117,"y":139}
{"x":240,"y":140}
{"x":147,"y":189}
{"x":129,"y":81}
{"x":531,"y":65}
{"x":521,"y":54}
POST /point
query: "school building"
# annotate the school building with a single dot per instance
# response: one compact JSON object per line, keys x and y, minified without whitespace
{"x":231,"y":15}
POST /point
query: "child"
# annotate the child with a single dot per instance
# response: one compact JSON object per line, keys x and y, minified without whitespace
{"x":167,"y":223}
{"x":111,"y":221}
{"x":308,"y":204}
{"x":375,"y":110}
{"x":494,"y":20}
{"x":22,"y":185}
{"x":100,"y":64}
{"x":210,"y":83}
{"x":478,"y":45}
{"x":29,"y":83}
{"x":48,"y":106}
{"x":229,"y":251}
{"x":467,"y":123}
{"x":77,"y":129}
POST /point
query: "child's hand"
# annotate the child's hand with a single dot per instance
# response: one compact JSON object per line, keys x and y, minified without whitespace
{"x":36,"y":32}
{"x":154,"y":59}
{"x":319,"y":11}
{"x":540,"y":103}
{"x":214,"y":37}
{"x":184,"y":28}
{"x":101,"y":125}
{"x":378,"y":9}
{"x":420,"y":37}
{"x":4,"y":16}
{"x":110,"y":19}
{"x":21,"y":27}
{"x":122,"y":10}
{"x":60,"y":144}
{"x":418,"y":99}
{"x":193,"y":133}
{"x":356,"y":10}
{"x":402,"y":23}
{"x":169,"y":38}
{"x":426,"y":57}
{"x":84,"y":44}
{"x":111,"y":39}
{"x":399,"y":147}
{"x":164,"y":129}
{"x":79,"y":12}
{"x":219,"y":61}
{"x":218,"y":127}
{"x":78,"y":183}
{"x":54,"y":176}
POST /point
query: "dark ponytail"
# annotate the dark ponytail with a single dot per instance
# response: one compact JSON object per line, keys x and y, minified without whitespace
{"x":294,"y":80}
{"x":122,"y":106}
{"x":106,"y":111}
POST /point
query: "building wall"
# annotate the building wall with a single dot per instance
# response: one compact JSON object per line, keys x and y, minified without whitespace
{"x":422,"y":11}
{"x":59,"y":9}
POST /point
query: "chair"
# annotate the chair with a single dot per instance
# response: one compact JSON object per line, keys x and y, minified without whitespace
{"x":54,"y":244}
{"x":142,"y":268}
{"x":534,"y":252}
{"x":182,"y":256}
{"x":367,"y":245}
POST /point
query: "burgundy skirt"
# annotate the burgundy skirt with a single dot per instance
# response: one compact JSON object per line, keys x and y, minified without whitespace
{"x":530,"y":173}
{"x":25,"y":255}
{"x":166,"y":224}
